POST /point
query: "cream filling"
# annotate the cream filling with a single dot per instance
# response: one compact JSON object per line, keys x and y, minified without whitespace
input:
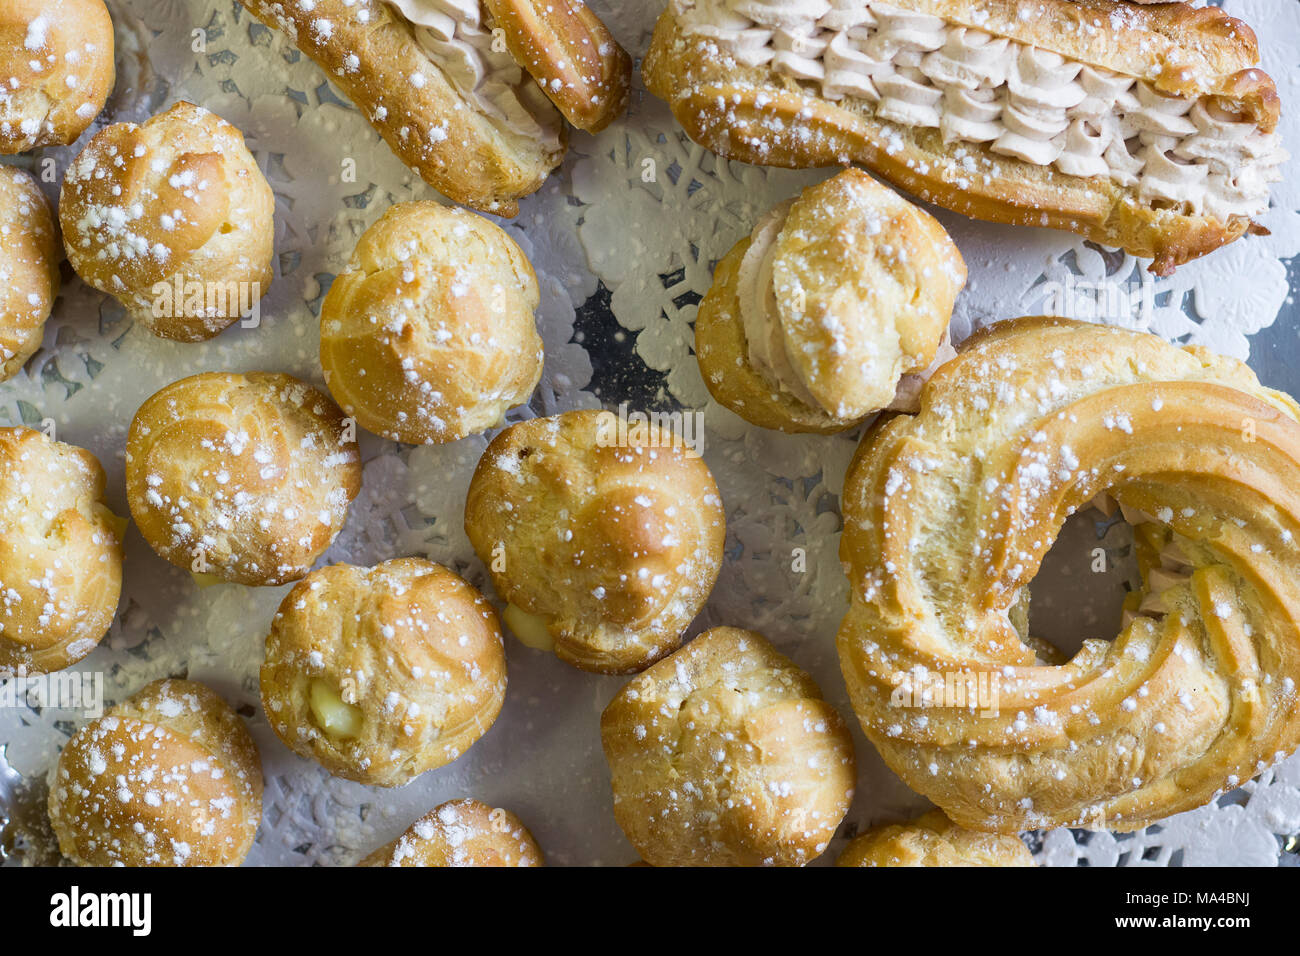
{"x":455,"y":36}
{"x":765,"y":338}
{"x":1020,"y":100}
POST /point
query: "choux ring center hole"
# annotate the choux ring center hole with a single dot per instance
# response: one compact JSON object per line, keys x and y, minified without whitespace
{"x":337,"y":718}
{"x":1091,"y":581}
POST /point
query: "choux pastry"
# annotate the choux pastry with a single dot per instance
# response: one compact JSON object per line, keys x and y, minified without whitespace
{"x":934,"y":840}
{"x":948,"y":515}
{"x":241,"y":478}
{"x":383,"y":673}
{"x":1148,"y":127}
{"x":429,"y":335}
{"x":56,"y":70}
{"x":60,"y":553}
{"x":837,"y":307}
{"x":471,"y":94}
{"x":725,"y":754}
{"x":461,"y":833}
{"x":169,"y":777}
{"x":174,"y":219}
{"x":29,"y":268}
{"x":604,"y":540}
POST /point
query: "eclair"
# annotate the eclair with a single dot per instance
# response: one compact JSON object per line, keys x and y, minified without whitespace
{"x":835,"y":308}
{"x":461,"y":833}
{"x":1149,"y":128}
{"x":473,"y":95}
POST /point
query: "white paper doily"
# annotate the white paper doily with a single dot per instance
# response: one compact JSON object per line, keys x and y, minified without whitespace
{"x":623,"y":238}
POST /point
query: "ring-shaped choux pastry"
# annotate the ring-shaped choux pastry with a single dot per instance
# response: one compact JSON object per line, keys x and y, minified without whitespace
{"x":934,"y":840}
{"x":461,"y":833}
{"x":169,"y":777}
{"x":174,"y":219}
{"x":241,"y":478}
{"x":56,"y":57}
{"x":835,"y":308}
{"x":430,"y":335}
{"x":725,"y":754}
{"x":60,"y":553}
{"x":604,"y":539}
{"x":382,"y":673}
{"x":29,"y":268}
{"x":947,"y":518}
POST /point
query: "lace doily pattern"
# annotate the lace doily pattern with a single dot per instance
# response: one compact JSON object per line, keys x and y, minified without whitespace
{"x":624,"y":238}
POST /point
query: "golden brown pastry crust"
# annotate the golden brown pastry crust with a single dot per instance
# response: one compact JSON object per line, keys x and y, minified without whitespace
{"x":947,"y":518}
{"x":413,"y":649}
{"x":572,"y":56}
{"x":614,"y":547}
{"x":60,"y":553}
{"x":430,"y":334}
{"x":725,"y":754}
{"x":169,"y":777}
{"x":934,"y":840}
{"x":57,"y":62}
{"x":865,"y":284}
{"x":174,"y":219}
{"x":29,"y":268}
{"x":371,"y":55}
{"x":759,"y":116}
{"x":244,"y":477}
{"x":461,"y":833}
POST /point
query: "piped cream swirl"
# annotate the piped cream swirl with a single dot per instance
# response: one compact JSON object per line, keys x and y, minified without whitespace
{"x":1021,"y":101}
{"x":456,"y":36}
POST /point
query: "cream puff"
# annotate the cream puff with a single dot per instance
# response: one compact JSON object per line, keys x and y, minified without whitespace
{"x":835,"y":308}
{"x":725,"y":754}
{"x":29,"y":268}
{"x":56,"y":70}
{"x":380,"y":674}
{"x":605,"y":540}
{"x":934,"y":840}
{"x":241,"y":478}
{"x":169,"y":777}
{"x":60,"y":553}
{"x":461,"y":833}
{"x":174,"y":219}
{"x":429,"y":335}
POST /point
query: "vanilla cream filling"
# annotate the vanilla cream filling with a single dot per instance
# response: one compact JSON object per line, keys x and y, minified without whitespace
{"x":456,"y":37}
{"x":1020,"y":100}
{"x":765,"y":338}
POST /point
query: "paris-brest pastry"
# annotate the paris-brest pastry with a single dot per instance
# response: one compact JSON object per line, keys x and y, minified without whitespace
{"x":473,"y":95}
{"x":604,"y":540}
{"x":174,"y":219}
{"x":429,"y":334}
{"x":835,"y":308}
{"x":383,"y":673}
{"x":168,"y":777}
{"x":56,"y":70}
{"x":1150,"y":127}
{"x":241,"y":478}
{"x":948,"y":515}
